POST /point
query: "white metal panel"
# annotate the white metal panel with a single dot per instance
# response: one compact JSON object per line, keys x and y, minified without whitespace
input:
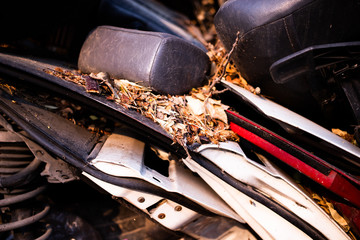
{"x":166,"y":212}
{"x":265,"y":222}
{"x":272,"y":182}
{"x":122,"y":156}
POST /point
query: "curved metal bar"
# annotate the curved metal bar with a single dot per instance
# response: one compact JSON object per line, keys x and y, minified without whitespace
{"x":22,"y":177}
{"x":24,"y":222}
{"x":22,"y":197}
{"x":46,"y":235}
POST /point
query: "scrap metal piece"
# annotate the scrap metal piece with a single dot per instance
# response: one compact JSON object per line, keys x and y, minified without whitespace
{"x":159,"y":209}
{"x":270,"y":182}
{"x":123,"y":156}
{"x":56,"y":170}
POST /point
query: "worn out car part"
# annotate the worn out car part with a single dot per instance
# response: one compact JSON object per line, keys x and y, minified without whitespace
{"x":133,"y":180}
{"x":169,"y":65}
{"x":338,"y":62}
{"x":268,"y":179}
{"x":111,"y":158}
{"x":151,"y":173}
{"x":315,"y":168}
{"x":271,"y":30}
{"x":308,"y":134}
{"x":160,"y":195}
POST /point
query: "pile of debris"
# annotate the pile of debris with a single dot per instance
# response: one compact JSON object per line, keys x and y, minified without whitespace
{"x":189,"y":119}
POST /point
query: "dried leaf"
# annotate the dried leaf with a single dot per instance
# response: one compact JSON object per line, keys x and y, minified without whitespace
{"x":195,"y":105}
{"x":216,"y":111}
{"x":199,"y":95}
{"x":329,"y":208}
{"x":91,"y":85}
{"x":337,"y":217}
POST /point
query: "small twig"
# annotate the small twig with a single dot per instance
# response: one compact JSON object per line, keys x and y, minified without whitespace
{"x":231,"y":52}
{"x":218,"y":79}
{"x":219,"y":91}
{"x":183,"y":144}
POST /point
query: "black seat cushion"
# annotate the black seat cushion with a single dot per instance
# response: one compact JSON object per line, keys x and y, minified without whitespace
{"x":272,"y":29}
{"x":160,"y":61}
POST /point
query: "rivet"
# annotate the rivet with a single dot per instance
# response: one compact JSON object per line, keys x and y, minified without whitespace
{"x":178,"y":208}
{"x":39,"y":153}
{"x":161,"y":215}
{"x":141,"y":199}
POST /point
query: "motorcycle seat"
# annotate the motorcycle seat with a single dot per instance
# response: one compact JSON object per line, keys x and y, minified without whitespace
{"x":161,"y":61}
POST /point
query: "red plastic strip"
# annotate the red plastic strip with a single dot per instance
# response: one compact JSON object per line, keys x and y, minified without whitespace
{"x":294,"y":146}
{"x":334,"y":181}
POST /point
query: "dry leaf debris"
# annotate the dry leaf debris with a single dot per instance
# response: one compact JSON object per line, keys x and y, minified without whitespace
{"x":188,"y":119}
{"x":194,"y":118}
{"x":345,"y":135}
{"x":71,"y":76}
{"x":329,"y":208}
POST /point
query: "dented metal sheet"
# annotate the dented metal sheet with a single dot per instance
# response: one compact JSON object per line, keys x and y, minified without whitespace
{"x":123,"y":156}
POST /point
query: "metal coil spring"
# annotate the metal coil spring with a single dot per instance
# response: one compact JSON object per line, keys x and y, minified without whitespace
{"x":19,"y":184}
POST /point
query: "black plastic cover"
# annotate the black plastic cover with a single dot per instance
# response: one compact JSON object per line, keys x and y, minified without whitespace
{"x":343,"y":56}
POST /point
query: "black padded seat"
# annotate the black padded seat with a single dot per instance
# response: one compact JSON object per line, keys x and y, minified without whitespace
{"x":161,"y":61}
{"x":250,"y":14}
{"x":272,"y":29}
